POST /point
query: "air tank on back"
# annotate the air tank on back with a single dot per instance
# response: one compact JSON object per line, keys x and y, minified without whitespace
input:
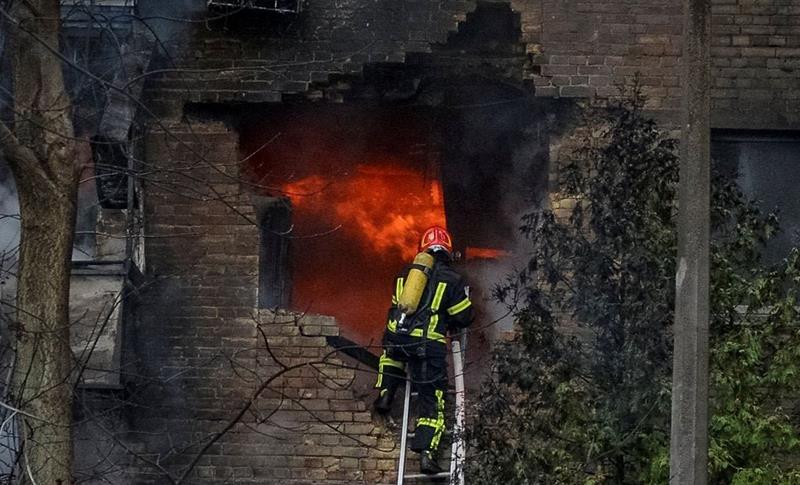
{"x":415,"y":284}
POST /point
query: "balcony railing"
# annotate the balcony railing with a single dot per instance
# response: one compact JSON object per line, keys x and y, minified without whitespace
{"x":279,"y":6}
{"x":96,"y":15}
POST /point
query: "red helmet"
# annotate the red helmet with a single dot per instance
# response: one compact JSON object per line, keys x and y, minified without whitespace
{"x":436,"y":238}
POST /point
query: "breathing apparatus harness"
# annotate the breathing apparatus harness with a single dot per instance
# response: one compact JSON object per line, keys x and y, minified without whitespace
{"x":420,"y":318}
{"x":410,"y":293}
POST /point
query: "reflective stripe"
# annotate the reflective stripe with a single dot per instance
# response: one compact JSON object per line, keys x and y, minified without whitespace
{"x":391,"y":325}
{"x":437,"y":297}
{"x":459,"y":307}
{"x":438,"y":423}
{"x":432,"y":333}
{"x":435,"y":304}
{"x":384,"y":361}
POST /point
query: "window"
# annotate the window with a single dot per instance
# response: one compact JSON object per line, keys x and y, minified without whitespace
{"x":99,"y":3}
{"x":275,"y":222}
{"x":94,"y":17}
{"x":767,"y":168}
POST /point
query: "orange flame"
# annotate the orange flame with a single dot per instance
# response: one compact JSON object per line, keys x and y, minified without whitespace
{"x":354,"y":232}
{"x":486,"y":253}
{"x":383,"y":209}
{"x":363,"y":184}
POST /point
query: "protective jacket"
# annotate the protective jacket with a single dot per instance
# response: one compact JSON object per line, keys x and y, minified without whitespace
{"x":445,"y":303}
{"x":420,"y":341}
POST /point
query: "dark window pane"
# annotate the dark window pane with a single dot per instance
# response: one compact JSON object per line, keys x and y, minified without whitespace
{"x":274,"y":278}
{"x":767,"y":169}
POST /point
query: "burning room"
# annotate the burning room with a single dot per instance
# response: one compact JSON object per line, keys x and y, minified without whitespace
{"x":344,"y":190}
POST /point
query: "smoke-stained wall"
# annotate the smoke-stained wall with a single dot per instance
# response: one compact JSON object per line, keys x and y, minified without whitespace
{"x":205,"y":350}
{"x":575,"y":49}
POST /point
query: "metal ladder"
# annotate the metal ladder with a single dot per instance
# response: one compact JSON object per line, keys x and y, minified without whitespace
{"x":456,"y":473}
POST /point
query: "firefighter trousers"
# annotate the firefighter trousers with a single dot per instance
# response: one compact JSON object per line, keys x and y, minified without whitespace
{"x":428,"y":370}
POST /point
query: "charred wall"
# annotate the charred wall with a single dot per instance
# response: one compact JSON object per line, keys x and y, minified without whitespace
{"x":575,"y":49}
{"x":205,"y":352}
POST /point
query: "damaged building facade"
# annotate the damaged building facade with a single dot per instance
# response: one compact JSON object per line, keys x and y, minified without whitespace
{"x":287,"y":155}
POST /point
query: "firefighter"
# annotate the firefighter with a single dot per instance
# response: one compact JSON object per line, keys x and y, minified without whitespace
{"x":418,"y":340}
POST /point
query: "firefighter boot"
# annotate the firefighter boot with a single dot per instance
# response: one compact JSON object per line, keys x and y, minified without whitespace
{"x":384,"y":402}
{"x":428,"y":464}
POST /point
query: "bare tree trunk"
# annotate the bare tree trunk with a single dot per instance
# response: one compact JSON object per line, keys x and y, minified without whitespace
{"x":40,"y":151}
{"x":42,"y":383}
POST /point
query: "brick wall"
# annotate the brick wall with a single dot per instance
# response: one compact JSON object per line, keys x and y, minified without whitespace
{"x":583,"y":49}
{"x":586,"y":48}
{"x":204,"y":352}
{"x":756,"y":64}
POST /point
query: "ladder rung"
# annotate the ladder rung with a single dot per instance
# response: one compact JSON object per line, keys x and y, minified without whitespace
{"x":424,"y":475}
{"x":406,"y":432}
{"x":446,"y":432}
{"x":449,"y":391}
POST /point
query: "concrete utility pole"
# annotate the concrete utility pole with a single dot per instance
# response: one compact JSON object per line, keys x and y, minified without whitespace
{"x":689,"y":433}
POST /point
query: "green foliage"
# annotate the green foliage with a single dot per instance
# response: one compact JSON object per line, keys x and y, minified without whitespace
{"x":582,"y":394}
